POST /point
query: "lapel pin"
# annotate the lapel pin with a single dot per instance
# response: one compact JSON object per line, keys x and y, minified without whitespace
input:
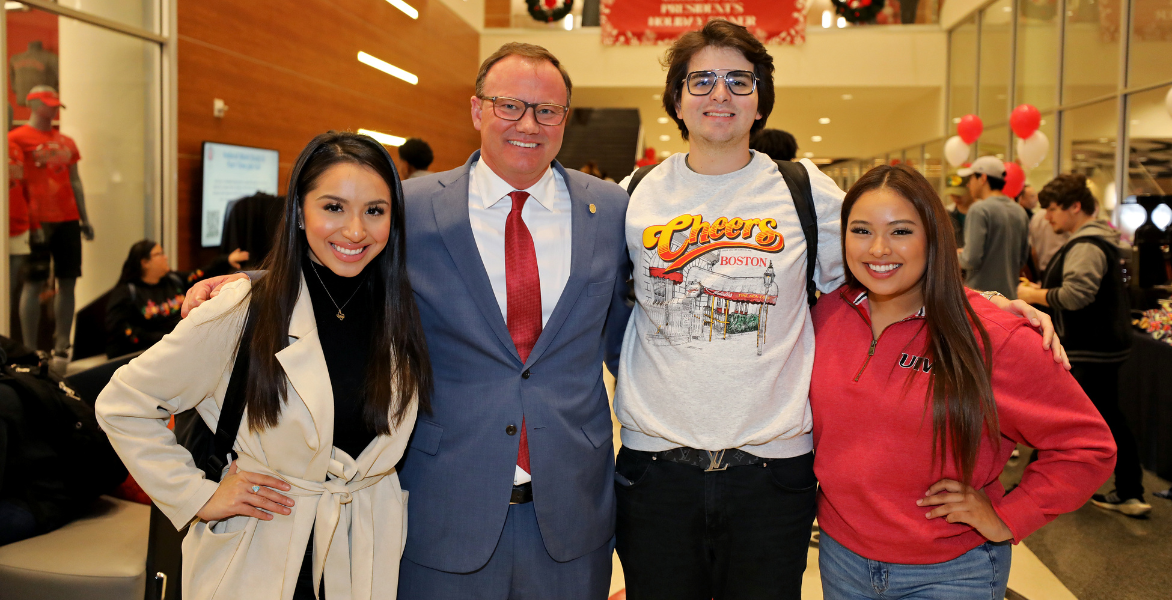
{"x":593,"y":209}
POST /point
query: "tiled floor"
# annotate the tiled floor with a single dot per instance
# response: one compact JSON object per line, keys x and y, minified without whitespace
{"x":1029,"y":578}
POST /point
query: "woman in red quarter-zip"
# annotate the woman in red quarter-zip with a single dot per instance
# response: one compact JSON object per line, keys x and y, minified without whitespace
{"x":921,"y":390}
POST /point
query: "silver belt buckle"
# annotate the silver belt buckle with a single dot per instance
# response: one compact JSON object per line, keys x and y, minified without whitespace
{"x":714,"y":460}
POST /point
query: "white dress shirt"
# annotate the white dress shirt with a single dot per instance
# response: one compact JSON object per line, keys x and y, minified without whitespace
{"x":546,"y":214}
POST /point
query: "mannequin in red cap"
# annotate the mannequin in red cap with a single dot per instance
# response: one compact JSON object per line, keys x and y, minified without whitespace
{"x":56,"y":197}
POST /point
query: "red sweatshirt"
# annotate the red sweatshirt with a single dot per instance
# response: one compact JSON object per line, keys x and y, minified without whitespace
{"x":873,"y":439}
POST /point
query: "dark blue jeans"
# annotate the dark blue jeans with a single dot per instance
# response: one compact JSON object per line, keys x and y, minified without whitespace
{"x":979,"y":574}
{"x":686,"y":534}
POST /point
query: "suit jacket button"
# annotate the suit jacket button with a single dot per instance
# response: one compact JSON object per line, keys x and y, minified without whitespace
{"x":525,"y":375}
{"x":511,"y":430}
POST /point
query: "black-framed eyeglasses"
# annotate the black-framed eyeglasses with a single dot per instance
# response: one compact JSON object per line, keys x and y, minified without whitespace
{"x":512,"y":109}
{"x":739,"y":83}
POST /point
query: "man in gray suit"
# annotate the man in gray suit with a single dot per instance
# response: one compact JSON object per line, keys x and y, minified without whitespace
{"x":520,"y":270}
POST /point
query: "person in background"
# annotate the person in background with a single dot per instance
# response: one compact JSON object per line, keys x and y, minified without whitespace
{"x":995,"y":231}
{"x":961,"y":201}
{"x":591,"y":168}
{"x":909,"y":447}
{"x":417,"y":155}
{"x":1044,"y":241}
{"x":1027,"y":198}
{"x":145,"y":304}
{"x":1083,"y":287}
{"x":775,"y":143}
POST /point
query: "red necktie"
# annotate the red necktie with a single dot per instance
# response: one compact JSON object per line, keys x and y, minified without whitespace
{"x":523,"y":284}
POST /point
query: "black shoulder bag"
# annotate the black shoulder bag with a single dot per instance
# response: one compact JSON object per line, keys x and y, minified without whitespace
{"x":212,"y":451}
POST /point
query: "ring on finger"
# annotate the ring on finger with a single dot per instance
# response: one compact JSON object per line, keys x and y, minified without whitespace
{"x":256,"y":489}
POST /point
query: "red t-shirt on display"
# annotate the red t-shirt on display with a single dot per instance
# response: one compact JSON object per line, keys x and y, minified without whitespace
{"x":17,"y":203}
{"x":47,"y":158}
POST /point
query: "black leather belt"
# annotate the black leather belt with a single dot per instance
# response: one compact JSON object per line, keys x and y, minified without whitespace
{"x":709,"y":460}
{"x":522,"y":494}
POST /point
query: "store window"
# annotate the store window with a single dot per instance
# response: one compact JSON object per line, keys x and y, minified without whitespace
{"x":1037,"y":54}
{"x":143,"y":14}
{"x":914,"y":158}
{"x":994,"y":142}
{"x":1150,"y":54}
{"x":934,"y":164}
{"x":962,"y":72}
{"x":1091,"y":53}
{"x":95,"y":161}
{"x":1088,"y":147}
{"x":996,"y":59}
{"x":1149,"y":134}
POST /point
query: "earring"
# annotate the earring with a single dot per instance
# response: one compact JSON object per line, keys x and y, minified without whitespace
{"x":300,"y":225}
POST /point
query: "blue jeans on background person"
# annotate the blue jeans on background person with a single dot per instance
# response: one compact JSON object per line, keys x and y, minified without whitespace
{"x":981,"y":573}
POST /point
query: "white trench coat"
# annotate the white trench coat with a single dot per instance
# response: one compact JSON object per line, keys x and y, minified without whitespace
{"x":354,"y":506}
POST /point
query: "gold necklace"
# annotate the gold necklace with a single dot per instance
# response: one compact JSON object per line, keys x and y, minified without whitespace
{"x":340,"y":314}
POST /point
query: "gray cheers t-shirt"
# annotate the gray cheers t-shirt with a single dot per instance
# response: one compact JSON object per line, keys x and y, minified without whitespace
{"x":720,"y":346}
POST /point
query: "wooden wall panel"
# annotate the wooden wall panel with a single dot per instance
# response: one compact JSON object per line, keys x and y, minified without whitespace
{"x":498,"y":13}
{"x":288,"y":70}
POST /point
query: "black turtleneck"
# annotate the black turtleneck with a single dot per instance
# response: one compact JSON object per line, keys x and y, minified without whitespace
{"x":346,"y":345}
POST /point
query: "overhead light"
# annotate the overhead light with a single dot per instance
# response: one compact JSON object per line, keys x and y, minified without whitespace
{"x":663,"y":120}
{"x":1043,"y":122}
{"x":1008,"y":9}
{"x":664,"y":153}
{"x":1001,"y":156}
{"x":387,"y":68}
{"x":809,"y":155}
{"x":569,"y":22}
{"x":665,"y":138}
{"x":1135,"y":121}
{"x":1103,"y":140}
{"x":406,"y":8}
{"x":847,"y":97}
{"x":827,"y":19}
{"x":816,"y":138}
{"x":841,"y":22}
{"x":383,"y":138}
{"x":956,"y":119}
{"x":657,"y":96}
{"x":13,"y":6}
{"x":824,"y":120}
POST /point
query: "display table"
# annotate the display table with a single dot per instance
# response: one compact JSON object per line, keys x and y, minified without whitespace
{"x":1145,"y":395}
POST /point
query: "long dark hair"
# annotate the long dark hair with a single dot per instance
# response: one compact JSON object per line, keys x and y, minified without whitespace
{"x":399,"y":369}
{"x":961,"y":389}
{"x":132,"y":266}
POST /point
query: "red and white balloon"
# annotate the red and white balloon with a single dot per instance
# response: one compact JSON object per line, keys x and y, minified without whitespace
{"x":1032,"y":150}
{"x":1014,"y":180}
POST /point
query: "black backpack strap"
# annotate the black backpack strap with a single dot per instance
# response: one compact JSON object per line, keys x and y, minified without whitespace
{"x":637,"y":177}
{"x":232,"y":412}
{"x":798,"y":180}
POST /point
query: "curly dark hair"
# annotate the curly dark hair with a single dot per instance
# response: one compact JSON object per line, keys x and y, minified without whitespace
{"x":1065,"y":190}
{"x":721,"y":34}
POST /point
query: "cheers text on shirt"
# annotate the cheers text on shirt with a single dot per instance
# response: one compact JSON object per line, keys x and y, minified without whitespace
{"x":722,"y":232}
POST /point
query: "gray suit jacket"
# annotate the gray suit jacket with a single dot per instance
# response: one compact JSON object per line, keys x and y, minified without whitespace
{"x":460,"y":463}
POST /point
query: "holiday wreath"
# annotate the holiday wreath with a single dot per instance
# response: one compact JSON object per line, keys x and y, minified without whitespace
{"x":548,"y":11}
{"x":858,"y":11}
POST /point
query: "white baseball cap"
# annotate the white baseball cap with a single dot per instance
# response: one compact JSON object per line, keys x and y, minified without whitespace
{"x":986,"y":165}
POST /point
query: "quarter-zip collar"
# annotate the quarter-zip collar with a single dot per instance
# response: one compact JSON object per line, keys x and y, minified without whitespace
{"x":856,"y":297}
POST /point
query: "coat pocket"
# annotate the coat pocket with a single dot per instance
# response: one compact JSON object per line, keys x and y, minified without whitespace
{"x":426,"y":437}
{"x":207,"y":554}
{"x":599,"y":430}
{"x":600,"y":288}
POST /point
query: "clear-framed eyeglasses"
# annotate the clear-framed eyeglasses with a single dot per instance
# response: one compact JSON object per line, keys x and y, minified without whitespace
{"x":512,"y":109}
{"x":739,"y":83}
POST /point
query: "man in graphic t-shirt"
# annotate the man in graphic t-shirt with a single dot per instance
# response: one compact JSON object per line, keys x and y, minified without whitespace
{"x":715,"y":484}
{"x":55,"y":195}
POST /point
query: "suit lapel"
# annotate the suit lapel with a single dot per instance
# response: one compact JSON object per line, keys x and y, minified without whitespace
{"x":583,"y":225}
{"x":455,"y":227}
{"x":305,"y":366}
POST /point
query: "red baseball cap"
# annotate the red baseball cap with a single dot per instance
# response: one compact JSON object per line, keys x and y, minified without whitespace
{"x":49,"y":97}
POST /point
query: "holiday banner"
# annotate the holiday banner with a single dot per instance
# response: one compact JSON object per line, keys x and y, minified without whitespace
{"x":652,"y":22}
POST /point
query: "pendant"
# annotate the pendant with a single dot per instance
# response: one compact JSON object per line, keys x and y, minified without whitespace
{"x":340,"y":315}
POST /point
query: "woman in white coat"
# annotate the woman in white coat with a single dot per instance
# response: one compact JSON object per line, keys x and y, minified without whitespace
{"x":339,"y":369}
